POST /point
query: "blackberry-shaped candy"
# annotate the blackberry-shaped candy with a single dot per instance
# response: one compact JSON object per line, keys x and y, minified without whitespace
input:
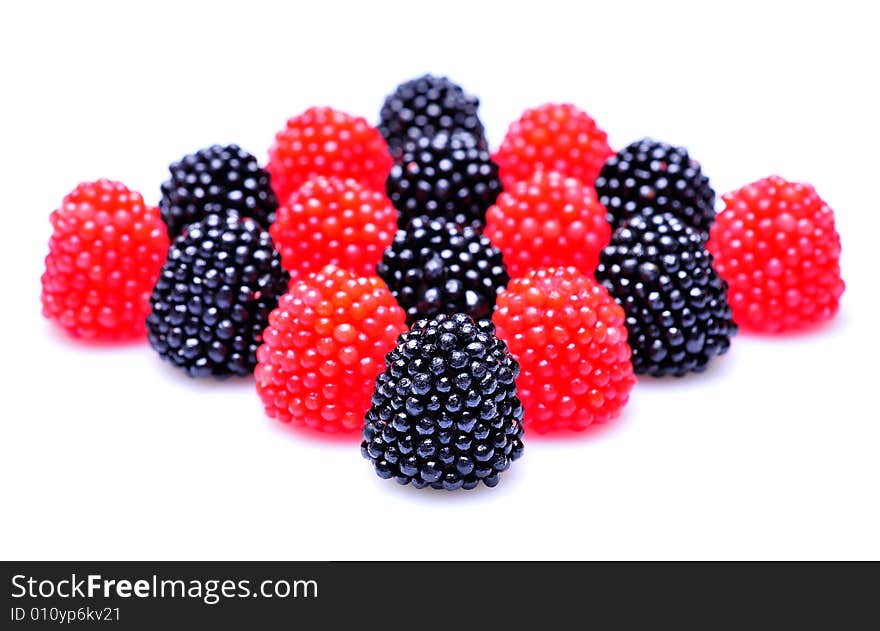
{"x":445,"y":412}
{"x":650,"y":177}
{"x":212,"y":300}
{"x":677,"y":314}
{"x":228,"y":176}
{"x":434,"y":266}
{"x":448,"y":176}
{"x":425,"y":106}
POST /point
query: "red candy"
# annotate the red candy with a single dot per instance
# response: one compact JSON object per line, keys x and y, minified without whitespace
{"x":553,"y":137}
{"x":323,"y":349}
{"x":548,"y":221}
{"x":105,"y":253}
{"x":333,"y":221}
{"x":324,"y":141}
{"x":570,"y":339}
{"x":776,"y":246}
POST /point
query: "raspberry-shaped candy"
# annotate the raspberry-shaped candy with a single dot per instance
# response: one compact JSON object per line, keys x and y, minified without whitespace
{"x":677,"y":315}
{"x":553,"y":137}
{"x":212,"y":300}
{"x":776,"y":245}
{"x":649,"y":177}
{"x":228,"y":176}
{"x":324,"y":346}
{"x":569,"y":337}
{"x":105,"y":253}
{"x":434,"y":266}
{"x":324,"y":141}
{"x":447,"y":176}
{"x":425,"y":106}
{"x":445,"y":413}
{"x":548,"y":221}
{"x":333,"y":221}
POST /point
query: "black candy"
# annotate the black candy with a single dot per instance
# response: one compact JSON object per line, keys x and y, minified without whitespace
{"x":650,"y":177}
{"x":677,"y":314}
{"x":445,"y":413}
{"x":227,"y":176}
{"x":448,"y":176}
{"x":221,"y":279}
{"x":434,"y":266}
{"x":424,"y":106}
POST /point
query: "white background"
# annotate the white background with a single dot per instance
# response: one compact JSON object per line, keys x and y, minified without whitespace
{"x":109,"y":453}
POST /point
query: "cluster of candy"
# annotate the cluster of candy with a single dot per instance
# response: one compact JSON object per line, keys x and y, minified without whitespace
{"x":403,"y":282}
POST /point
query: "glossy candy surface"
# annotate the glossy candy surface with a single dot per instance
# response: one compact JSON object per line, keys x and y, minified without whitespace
{"x":444,"y":176}
{"x":649,"y":177}
{"x":548,"y":220}
{"x":553,"y":137}
{"x":569,"y":337}
{"x":225,"y":175}
{"x":324,"y":346}
{"x":325,"y":141}
{"x":212,"y":300}
{"x":439,"y":267}
{"x":445,"y":413}
{"x":333,"y":221}
{"x":424,"y":106}
{"x":776,"y":245}
{"x":105,"y":253}
{"x":677,"y":314}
